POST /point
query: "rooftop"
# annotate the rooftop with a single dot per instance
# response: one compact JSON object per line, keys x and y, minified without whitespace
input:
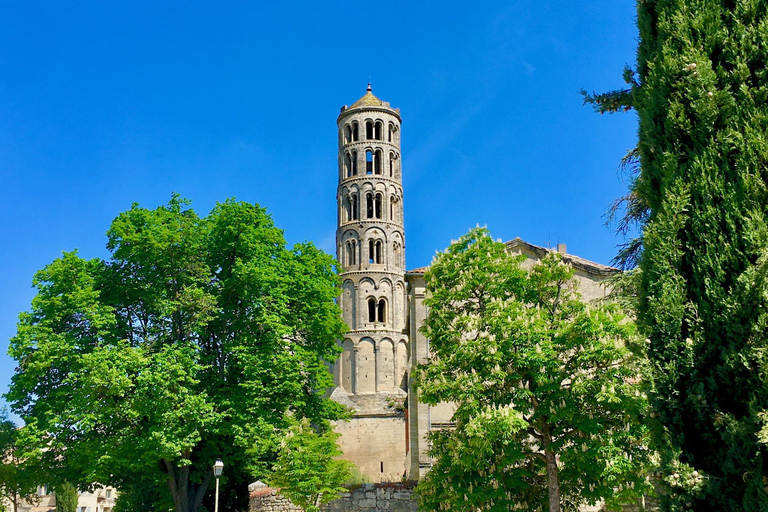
{"x":520,"y":245}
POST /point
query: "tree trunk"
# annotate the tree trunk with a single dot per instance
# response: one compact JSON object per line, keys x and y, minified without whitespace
{"x":186,"y":497}
{"x":553,"y":484}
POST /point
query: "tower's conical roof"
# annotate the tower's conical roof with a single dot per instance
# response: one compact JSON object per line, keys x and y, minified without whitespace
{"x":369,"y":100}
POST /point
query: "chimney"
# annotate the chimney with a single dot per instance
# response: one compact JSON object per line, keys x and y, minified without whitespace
{"x":561,"y":248}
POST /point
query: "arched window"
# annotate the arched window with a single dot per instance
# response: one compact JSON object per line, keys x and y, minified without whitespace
{"x":355,"y":130}
{"x":374,"y":251}
{"x":354,"y":206}
{"x":369,"y":130}
{"x":377,"y":206}
{"x":378,"y":129}
{"x":351,"y":258}
{"x":377,"y":162}
{"x":347,"y":165}
{"x":346,"y":209}
{"x":392,"y":208}
{"x":368,"y":205}
{"x":381,"y":315}
{"x":371,"y":309}
{"x":391,"y":131}
{"x":347,"y":134}
{"x":354,"y":163}
{"x":396,"y":253}
{"x":391,"y":164}
{"x":368,"y":162}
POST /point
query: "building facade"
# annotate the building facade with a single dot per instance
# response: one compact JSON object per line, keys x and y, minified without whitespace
{"x":382,"y":303}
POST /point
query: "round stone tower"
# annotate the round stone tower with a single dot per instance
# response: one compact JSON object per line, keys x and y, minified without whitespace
{"x":371,"y":250}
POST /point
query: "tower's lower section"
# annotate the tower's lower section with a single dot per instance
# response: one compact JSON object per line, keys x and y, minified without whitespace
{"x":375,"y":437}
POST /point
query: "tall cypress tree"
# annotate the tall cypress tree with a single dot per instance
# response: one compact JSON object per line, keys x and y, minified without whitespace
{"x":701,"y":196}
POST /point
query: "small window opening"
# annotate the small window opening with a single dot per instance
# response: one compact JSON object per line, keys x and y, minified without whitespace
{"x":381,"y":315}
{"x":382,"y":466}
{"x":347,"y":165}
{"x":368,"y":130}
{"x":371,"y":309}
{"x":377,"y":206}
{"x":377,"y":162}
{"x":354,"y":163}
{"x":354,"y":206}
{"x":345,"y":205}
{"x":347,"y":134}
{"x":378,"y":130}
{"x":368,"y":205}
{"x":368,"y":162}
{"x":391,"y":130}
{"x":391,"y":165}
{"x":355,"y":137}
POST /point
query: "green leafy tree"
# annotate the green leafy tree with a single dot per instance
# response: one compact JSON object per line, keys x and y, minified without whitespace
{"x":190,"y":342}
{"x":701,"y":95}
{"x":66,"y":497}
{"x":546,"y":387}
{"x":308,"y":471}
{"x":19,"y":471}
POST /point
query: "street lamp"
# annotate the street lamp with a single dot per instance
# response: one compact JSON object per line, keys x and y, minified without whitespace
{"x":217,"y":469}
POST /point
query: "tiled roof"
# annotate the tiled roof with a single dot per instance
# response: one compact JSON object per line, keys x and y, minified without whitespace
{"x":580,"y":263}
{"x":369,"y":100}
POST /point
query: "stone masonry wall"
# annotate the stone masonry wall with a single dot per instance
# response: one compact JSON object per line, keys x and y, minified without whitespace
{"x":392,"y":497}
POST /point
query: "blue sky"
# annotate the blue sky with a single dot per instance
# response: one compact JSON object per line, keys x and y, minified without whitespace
{"x":103,"y":104}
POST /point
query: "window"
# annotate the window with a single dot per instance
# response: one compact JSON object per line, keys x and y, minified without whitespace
{"x":347,"y":134}
{"x":396,"y":254}
{"x":369,"y":130}
{"x":351,"y":252}
{"x":368,"y":205}
{"x":346,"y":209}
{"x":377,"y":162}
{"x":374,"y":251}
{"x":382,"y":311}
{"x":391,"y":165}
{"x":354,"y":206}
{"x":378,"y":129}
{"x":347,"y":165}
{"x":377,"y":310}
{"x":355,"y":137}
{"x":377,"y":206}
{"x":392,"y":209}
{"x":391,"y":131}
{"x":368,"y":162}
{"x":354,"y":163}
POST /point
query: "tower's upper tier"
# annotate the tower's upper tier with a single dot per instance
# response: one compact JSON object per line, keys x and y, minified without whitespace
{"x":369,"y":102}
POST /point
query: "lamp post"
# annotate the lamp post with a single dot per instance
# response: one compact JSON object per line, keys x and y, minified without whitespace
{"x":217,"y":469}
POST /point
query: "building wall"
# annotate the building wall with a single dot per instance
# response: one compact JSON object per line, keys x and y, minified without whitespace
{"x":102,"y":499}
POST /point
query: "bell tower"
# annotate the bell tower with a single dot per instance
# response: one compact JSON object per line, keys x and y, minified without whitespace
{"x":372,"y":373}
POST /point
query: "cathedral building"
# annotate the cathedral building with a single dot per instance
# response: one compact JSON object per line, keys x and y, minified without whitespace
{"x":382,"y":303}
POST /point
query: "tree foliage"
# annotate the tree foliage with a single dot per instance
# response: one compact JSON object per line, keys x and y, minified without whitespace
{"x":20,"y":473}
{"x":546,"y":388}
{"x":190,"y":342}
{"x":702,"y":102}
{"x":66,"y":497}
{"x":308,"y":471}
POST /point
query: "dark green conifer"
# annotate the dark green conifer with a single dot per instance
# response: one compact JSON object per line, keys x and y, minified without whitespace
{"x":701,"y":196}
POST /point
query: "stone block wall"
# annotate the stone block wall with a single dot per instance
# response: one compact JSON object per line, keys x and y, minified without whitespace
{"x":392,"y":497}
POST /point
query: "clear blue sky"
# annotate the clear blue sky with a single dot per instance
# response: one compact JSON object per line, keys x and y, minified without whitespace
{"x":103,"y":104}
